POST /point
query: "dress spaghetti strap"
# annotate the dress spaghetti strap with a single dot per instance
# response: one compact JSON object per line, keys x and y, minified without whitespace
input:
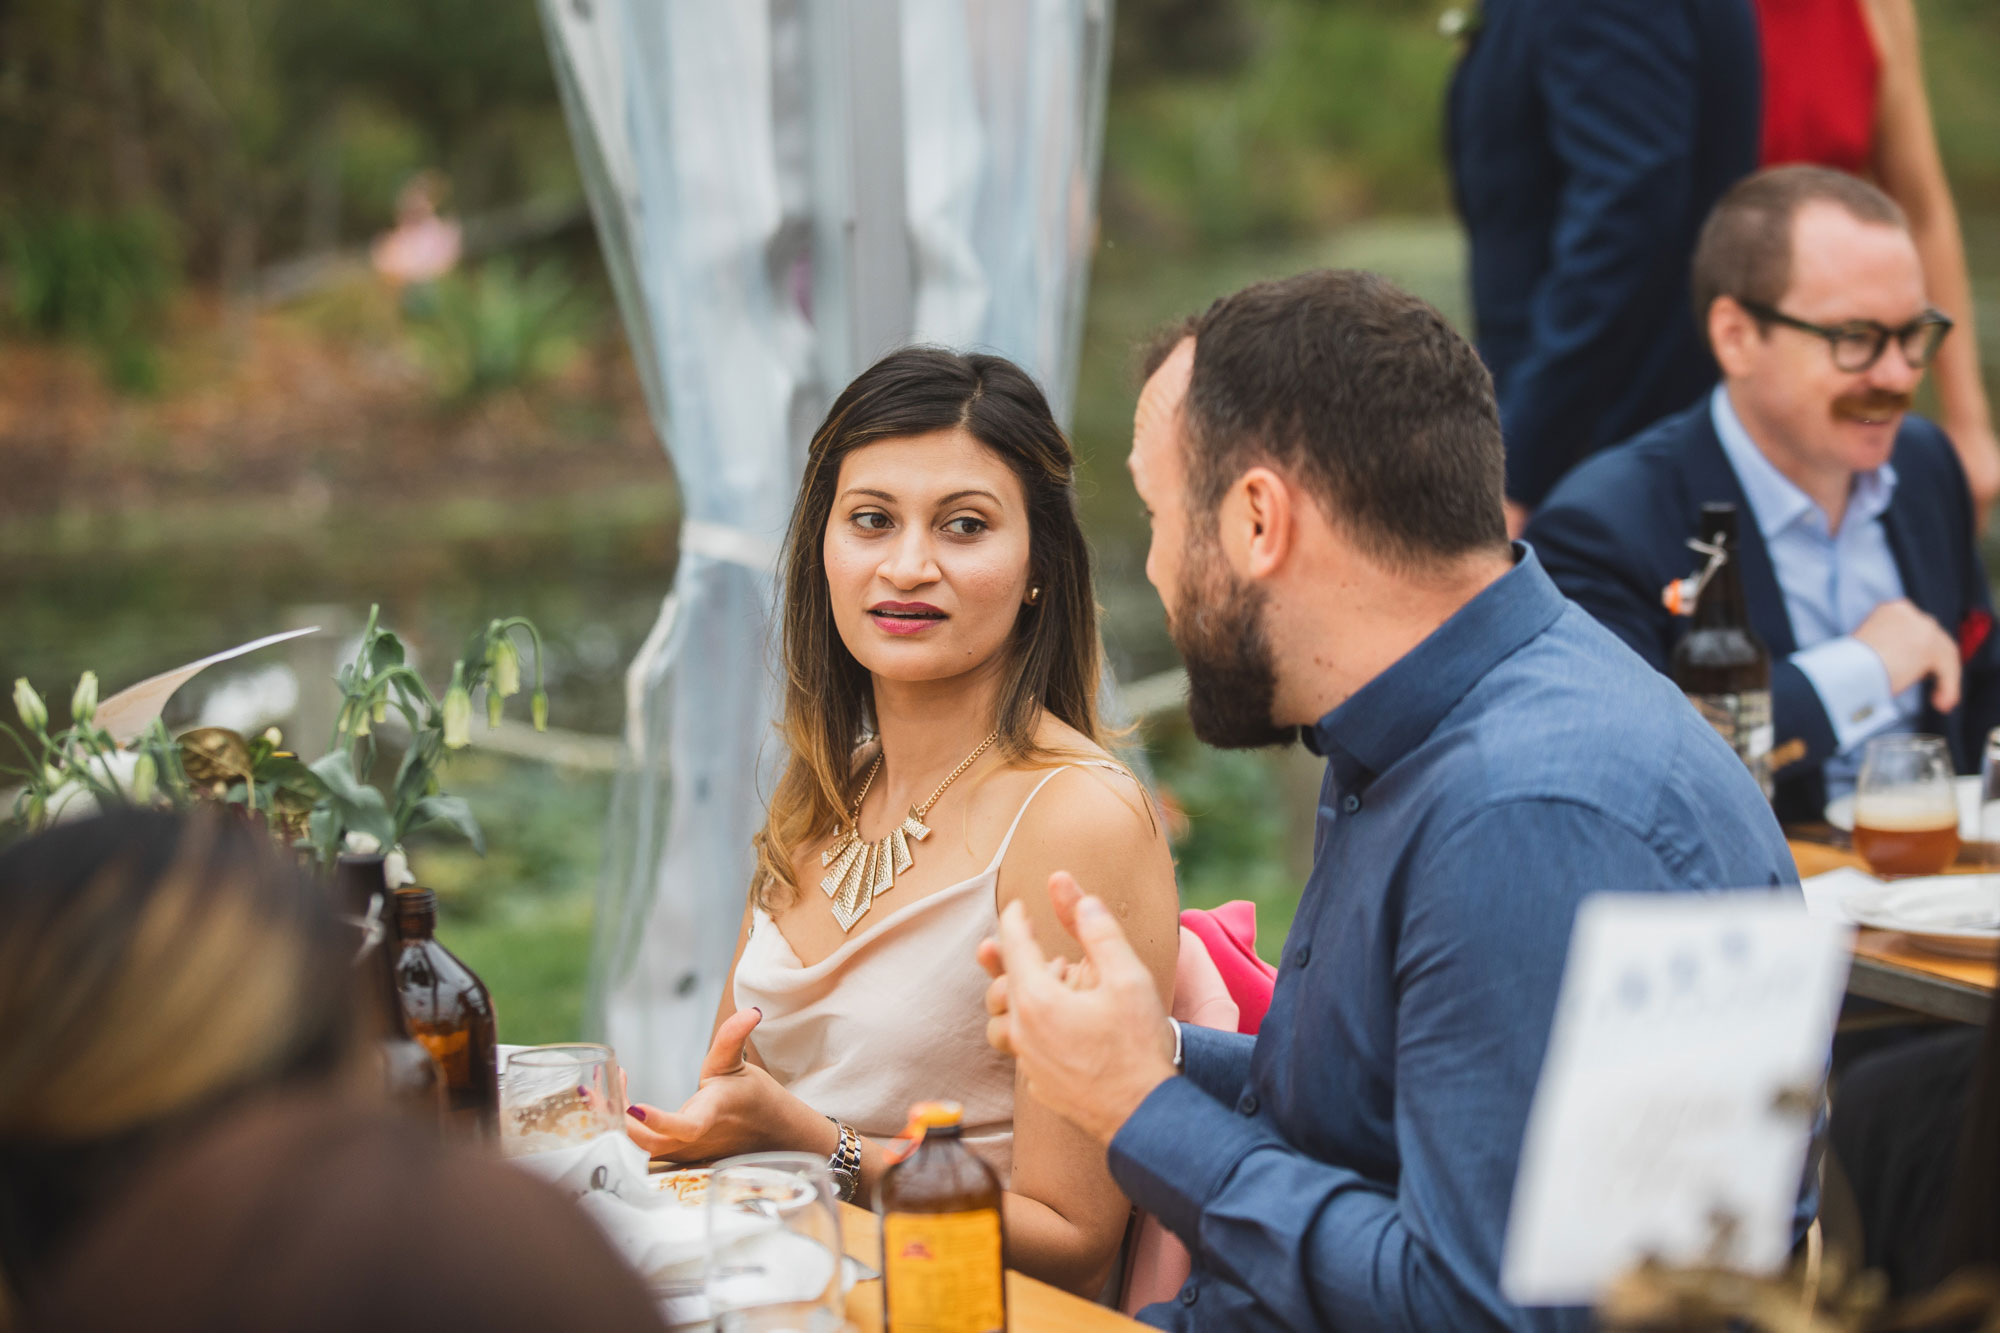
{"x":994,"y":865}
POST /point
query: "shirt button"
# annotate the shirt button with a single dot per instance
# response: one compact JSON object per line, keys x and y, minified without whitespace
{"x":1248,"y":1106}
{"x":1350,"y":803}
{"x":1188,"y":1293}
{"x":1303,"y":956}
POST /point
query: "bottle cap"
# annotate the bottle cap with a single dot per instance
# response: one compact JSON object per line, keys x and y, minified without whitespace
{"x":933,"y":1115}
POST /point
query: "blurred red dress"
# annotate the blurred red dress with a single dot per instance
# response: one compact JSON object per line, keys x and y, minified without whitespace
{"x":1822,"y":78}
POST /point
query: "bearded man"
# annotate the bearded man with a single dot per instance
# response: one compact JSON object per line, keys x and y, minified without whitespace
{"x":1859,"y":559}
{"x":1321,"y":459}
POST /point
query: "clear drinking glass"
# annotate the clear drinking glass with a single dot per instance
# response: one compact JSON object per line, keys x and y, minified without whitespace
{"x":555,"y":1097}
{"x":1989,"y":802}
{"x":1905,"y":806}
{"x":774,"y":1245}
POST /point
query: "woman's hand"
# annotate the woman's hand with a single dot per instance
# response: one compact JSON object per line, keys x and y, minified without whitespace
{"x":738,"y":1108}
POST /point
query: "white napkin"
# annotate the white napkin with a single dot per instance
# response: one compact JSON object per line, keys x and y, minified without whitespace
{"x":608,"y":1163}
{"x":1827,"y":894}
{"x":668,"y":1241}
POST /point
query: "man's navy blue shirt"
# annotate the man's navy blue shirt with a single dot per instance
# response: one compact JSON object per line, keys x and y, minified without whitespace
{"x":1352,"y":1166}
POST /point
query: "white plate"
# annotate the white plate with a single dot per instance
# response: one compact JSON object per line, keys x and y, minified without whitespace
{"x":687,"y":1187}
{"x":1840,"y":810}
{"x":1951,"y":914}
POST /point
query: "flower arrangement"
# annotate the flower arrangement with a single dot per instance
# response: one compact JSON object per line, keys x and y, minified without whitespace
{"x":322,"y":807}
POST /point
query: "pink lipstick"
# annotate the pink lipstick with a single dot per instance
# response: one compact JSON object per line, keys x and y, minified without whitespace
{"x":905,"y":617}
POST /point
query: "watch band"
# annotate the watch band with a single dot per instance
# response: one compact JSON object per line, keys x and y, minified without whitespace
{"x":845,"y":1164}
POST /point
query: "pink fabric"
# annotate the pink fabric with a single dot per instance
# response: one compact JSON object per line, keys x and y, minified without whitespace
{"x":1221,"y":983}
{"x":1201,"y":996}
{"x":1229,"y":933}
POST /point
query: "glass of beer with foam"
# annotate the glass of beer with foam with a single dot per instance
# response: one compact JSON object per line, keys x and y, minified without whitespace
{"x":1905,"y":807}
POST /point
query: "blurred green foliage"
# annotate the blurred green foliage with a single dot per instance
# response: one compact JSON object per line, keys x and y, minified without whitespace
{"x":1265,"y":120}
{"x":520,"y":916}
{"x":266,"y":127}
{"x":501,"y":327}
{"x":102,"y":279}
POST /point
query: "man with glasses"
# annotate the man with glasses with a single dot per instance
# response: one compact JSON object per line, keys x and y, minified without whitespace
{"x":1859,"y":559}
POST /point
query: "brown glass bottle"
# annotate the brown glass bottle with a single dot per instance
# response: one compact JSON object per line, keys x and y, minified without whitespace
{"x":447,"y":1009}
{"x":943,"y":1259}
{"x":1720,"y":663}
{"x":409,"y":1075}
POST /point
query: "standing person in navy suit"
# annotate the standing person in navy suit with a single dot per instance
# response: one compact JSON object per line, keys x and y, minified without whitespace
{"x":1588,"y":140}
{"x":1859,"y":559}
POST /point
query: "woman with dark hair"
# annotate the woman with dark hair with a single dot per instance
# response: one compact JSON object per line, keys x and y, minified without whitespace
{"x":943,"y":758}
{"x":193,"y":1135}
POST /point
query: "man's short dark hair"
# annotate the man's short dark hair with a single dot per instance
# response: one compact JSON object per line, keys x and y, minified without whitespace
{"x":1360,"y":392}
{"x":1745,"y":250}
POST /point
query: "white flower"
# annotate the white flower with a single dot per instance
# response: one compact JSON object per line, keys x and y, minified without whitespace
{"x":457,"y":718}
{"x":396,"y":869}
{"x":74,"y":798}
{"x":28,"y":704}
{"x":505,"y":660}
{"x":83,"y":703}
{"x":362,"y":844}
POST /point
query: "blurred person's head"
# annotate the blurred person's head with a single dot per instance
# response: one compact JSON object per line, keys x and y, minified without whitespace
{"x":1806,"y":245}
{"x":315,"y":1216}
{"x":1320,"y":458}
{"x":935,"y":543}
{"x":154,"y":970}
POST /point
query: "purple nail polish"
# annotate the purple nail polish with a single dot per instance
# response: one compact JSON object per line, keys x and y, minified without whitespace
{"x":582,"y":1091}
{"x":635,"y":1113}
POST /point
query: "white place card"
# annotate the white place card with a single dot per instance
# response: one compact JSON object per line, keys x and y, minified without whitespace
{"x":1688,"y":1049}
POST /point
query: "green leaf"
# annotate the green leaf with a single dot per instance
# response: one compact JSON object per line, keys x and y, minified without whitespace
{"x":287,"y":772}
{"x":336,"y":773}
{"x":323,"y":830}
{"x":358,"y":807}
{"x":454,"y":811}
{"x":387,"y":652}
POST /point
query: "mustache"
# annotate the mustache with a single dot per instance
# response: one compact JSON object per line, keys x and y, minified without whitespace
{"x":1872,"y":404}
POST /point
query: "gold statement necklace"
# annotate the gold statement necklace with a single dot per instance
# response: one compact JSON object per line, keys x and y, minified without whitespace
{"x":862,"y":871}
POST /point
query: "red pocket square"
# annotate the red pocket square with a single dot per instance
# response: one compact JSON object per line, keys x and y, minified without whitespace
{"x":1972,"y":633}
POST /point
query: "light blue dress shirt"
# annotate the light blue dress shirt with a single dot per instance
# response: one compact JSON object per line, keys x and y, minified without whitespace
{"x":1831,"y":582}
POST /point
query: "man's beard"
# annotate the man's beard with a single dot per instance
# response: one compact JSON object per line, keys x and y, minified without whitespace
{"x":1219,"y":629}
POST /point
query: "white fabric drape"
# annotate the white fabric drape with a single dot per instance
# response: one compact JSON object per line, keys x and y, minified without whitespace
{"x":783,"y":191}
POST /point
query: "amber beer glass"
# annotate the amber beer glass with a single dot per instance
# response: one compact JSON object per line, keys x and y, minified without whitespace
{"x":1720,"y":663}
{"x":942,"y":1258}
{"x":1905,"y":807}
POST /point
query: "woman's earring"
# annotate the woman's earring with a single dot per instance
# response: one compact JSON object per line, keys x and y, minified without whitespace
{"x":1034,"y":594}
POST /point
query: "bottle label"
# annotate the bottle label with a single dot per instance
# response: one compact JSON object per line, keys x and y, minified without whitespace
{"x":941,"y":1272}
{"x":1744,"y":720}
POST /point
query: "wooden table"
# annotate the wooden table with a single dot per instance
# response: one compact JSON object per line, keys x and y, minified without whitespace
{"x":1032,"y":1306}
{"x":1888,"y":969}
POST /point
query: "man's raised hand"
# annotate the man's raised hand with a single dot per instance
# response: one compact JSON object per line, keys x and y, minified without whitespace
{"x":1092,"y":1039}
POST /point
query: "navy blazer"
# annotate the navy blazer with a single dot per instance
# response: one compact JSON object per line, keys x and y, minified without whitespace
{"x":1614,"y":534}
{"x":1588,"y":141}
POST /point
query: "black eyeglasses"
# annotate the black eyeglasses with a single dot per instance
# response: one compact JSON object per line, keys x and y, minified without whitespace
{"x":1859,"y":343}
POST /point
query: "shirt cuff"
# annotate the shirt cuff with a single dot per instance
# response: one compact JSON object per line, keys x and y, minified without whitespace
{"x":1174,"y":1153}
{"x":1853,"y":687}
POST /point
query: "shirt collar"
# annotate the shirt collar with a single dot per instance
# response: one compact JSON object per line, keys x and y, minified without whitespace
{"x":1775,"y":499}
{"x":1395,"y":712}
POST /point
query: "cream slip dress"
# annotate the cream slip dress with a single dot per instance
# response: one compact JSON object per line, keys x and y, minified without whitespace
{"x":894,"y":1016}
